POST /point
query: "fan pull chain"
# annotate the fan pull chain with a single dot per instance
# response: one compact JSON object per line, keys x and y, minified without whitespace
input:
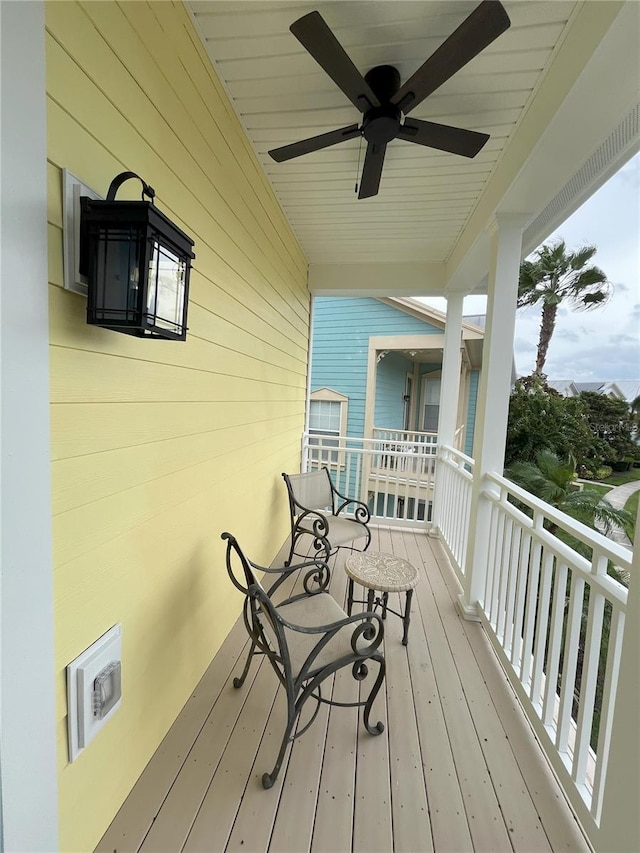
{"x":358,"y":170}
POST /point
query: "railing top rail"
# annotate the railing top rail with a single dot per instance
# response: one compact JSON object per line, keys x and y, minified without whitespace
{"x":620,"y":555}
{"x":407,"y":431}
{"x":447,"y":450}
{"x":374,"y":446}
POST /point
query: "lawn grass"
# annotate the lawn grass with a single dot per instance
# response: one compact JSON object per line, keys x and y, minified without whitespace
{"x":632,"y":504}
{"x":619,"y":478}
{"x":596,"y":487}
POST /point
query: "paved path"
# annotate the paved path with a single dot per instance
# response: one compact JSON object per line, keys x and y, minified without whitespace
{"x":617,"y":497}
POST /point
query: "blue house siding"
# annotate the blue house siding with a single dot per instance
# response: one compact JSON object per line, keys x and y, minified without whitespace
{"x":390,"y":383}
{"x":471,"y":411}
{"x":342,"y":328}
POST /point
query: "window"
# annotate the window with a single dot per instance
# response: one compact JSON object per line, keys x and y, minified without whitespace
{"x":430,"y":404}
{"x":327,"y":422}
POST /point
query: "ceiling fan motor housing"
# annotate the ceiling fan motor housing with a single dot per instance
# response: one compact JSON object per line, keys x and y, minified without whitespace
{"x":381,"y":124}
{"x":385,"y":82}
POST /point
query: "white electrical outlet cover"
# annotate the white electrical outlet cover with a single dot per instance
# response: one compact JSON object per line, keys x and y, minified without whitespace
{"x":82,"y":724}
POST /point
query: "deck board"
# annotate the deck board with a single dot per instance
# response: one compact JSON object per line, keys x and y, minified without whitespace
{"x":457,"y":768}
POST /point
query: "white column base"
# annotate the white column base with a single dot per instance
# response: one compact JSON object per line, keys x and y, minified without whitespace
{"x":467,"y":611}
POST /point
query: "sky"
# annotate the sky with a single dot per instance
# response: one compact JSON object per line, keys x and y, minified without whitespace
{"x":604,"y":343}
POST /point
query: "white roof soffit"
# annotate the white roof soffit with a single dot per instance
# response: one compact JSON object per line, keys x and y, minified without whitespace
{"x":550,"y":91}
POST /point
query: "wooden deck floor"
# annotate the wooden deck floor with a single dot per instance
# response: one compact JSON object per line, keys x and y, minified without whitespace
{"x":456,"y":769}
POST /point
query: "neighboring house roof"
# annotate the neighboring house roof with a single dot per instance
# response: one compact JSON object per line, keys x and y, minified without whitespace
{"x":566,"y":387}
{"x":416,"y":308}
{"x":596,"y":387}
{"x":477,"y":320}
{"x":626,"y":389}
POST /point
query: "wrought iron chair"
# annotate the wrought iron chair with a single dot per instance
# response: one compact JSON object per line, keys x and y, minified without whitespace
{"x":318,"y":509}
{"x":306,"y":638}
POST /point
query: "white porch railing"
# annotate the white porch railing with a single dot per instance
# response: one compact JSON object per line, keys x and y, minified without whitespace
{"x":555,"y":618}
{"x":394,"y":478}
{"x":454,"y":474}
{"x":558,"y":619}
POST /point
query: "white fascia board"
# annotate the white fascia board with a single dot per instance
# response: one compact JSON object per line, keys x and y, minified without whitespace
{"x":411,"y":278}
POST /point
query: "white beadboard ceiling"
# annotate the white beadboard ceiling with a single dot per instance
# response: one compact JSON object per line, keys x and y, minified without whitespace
{"x":426,"y":196}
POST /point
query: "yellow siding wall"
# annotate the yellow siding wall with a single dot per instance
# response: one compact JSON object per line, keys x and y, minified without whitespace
{"x":160,"y":446}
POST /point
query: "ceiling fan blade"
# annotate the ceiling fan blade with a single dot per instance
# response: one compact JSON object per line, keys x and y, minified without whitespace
{"x":313,"y":33}
{"x":484,"y":25}
{"x":314,"y":143}
{"x":372,"y":169}
{"x":456,"y":140}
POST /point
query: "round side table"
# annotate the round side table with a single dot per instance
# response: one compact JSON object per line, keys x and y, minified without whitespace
{"x":383,"y":573}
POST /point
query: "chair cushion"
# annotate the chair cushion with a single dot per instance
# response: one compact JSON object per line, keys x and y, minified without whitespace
{"x":343,"y":530}
{"x":312,"y":611}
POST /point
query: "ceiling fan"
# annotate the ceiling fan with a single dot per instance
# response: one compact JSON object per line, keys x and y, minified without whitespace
{"x":385,"y":103}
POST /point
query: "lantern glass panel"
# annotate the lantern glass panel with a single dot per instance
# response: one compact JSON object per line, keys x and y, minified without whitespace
{"x":117,"y":266}
{"x":166,"y":289}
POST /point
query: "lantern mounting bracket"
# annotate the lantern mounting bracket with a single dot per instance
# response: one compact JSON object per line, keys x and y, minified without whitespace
{"x":75,"y":280}
{"x":117,"y":182}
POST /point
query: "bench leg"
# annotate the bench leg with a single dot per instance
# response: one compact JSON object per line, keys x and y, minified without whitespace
{"x":407,"y":617}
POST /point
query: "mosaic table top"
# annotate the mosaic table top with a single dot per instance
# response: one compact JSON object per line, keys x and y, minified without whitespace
{"x":383,"y":572}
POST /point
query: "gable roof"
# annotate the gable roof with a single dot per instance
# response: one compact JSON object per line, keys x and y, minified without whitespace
{"x":566,"y":387}
{"x":626,"y":389}
{"x":416,"y":308}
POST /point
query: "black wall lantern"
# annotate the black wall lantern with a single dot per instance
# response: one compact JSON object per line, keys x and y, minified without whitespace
{"x":137,"y":263}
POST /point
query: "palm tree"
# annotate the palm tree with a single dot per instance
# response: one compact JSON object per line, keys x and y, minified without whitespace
{"x":555,"y":276}
{"x":553,"y":480}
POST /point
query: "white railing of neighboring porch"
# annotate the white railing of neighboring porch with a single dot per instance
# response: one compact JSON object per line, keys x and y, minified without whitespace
{"x":556,"y":619}
{"x":395,"y":479}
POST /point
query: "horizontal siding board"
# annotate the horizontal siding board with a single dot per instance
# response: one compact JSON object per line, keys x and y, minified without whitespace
{"x":129,"y":380}
{"x":125,"y":72}
{"x":111,"y":516}
{"x":159,"y":446}
{"x":219,"y":347}
{"x":106,"y":427}
{"x":341,"y":331}
{"x":222,"y":294}
{"x":76,"y":484}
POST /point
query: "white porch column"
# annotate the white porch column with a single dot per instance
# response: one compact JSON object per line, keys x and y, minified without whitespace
{"x":449,"y":386}
{"x":493,"y":394}
{"x":620,"y":819}
{"x":451,"y":360}
{"x":28,"y":759}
